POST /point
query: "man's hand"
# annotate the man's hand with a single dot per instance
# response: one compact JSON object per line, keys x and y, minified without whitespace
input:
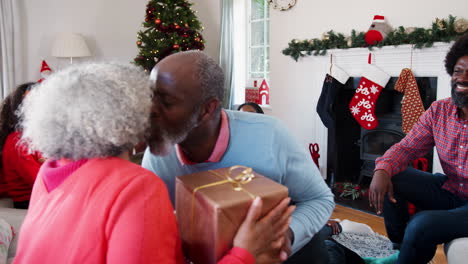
{"x":381,"y":184}
{"x":334,"y":226}
{"x":288,"y":240}
{"x":264,"y":238}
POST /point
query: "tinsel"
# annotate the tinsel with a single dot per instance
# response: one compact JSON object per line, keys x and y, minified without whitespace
{"x":442,"y":30}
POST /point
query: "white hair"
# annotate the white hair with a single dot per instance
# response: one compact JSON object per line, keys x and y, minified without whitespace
{"x":87,"y":111}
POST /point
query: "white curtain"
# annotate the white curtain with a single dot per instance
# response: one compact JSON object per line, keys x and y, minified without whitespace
{"x":9,"y":36}
{"x":226,"y":49}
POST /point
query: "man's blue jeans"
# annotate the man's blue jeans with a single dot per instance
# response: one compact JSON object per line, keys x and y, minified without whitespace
{"x":442,"y":216}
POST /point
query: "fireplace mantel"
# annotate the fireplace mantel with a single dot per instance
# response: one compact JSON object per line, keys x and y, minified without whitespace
{"x":427,"y":62}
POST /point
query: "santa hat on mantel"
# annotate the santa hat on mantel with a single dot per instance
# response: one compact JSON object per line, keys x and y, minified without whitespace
{"x":45,"y":71}
{"x":379,"y":19}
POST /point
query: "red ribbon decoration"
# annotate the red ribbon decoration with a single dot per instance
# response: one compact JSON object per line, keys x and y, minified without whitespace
{"x":314,"y":153}
{"x":424,"y":165}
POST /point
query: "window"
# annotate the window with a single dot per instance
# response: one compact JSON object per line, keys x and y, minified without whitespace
{"x":259,"y":40}
{"x":252,"y":45}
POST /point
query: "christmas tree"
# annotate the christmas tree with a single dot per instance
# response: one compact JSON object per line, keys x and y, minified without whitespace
{"x":170,"y":26}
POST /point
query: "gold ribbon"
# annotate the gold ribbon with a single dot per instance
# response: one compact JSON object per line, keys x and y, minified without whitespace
{"x":244,"y":177}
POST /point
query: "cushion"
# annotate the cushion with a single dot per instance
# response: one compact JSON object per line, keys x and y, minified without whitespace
{"x":355,"y":227}
{"x":15,"y":218}
{"x":366,"y":244}
{"x":457,"y":251}
{"x":6,"y":203}
{"x":6,"y":236}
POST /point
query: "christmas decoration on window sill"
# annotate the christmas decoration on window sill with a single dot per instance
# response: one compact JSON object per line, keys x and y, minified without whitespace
{"x":442,"y":30}
{"x":349,"y":190}
{"x":169,"y":27}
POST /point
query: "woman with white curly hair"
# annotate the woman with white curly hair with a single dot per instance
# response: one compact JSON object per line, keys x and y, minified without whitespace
{"x":89,"y":203}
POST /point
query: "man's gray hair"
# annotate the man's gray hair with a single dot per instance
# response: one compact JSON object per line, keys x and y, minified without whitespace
{"x":209,"y":74}
{"x":87,"y":111}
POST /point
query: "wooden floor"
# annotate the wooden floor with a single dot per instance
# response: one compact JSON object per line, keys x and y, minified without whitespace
{"x":376,"y":223}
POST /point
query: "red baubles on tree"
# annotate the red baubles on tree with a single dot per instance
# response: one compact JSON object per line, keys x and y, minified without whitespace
{"x":170,"y":27}
{"x":362,"y":106}
{"x":378,"y":30}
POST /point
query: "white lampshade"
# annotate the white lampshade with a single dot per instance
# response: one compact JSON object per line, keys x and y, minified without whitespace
{"x":70,"y":45}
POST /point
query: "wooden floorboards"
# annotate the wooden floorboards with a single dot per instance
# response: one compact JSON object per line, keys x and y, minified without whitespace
{"x":377,"y":224}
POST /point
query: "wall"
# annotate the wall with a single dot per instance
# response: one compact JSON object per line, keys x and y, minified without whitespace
{"x":109,"y":26}
{"x":292,"y":98}
{"x":209,"y":13}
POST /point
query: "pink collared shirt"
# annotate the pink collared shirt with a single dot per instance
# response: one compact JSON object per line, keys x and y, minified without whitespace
{"x":219,"y":149}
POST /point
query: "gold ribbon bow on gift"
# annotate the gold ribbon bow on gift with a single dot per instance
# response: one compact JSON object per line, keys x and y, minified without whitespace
{"x":245,"y":176}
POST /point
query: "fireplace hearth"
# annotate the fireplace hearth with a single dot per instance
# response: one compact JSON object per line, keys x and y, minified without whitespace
{"x":352,"y":150}
{"x":374,"y":143}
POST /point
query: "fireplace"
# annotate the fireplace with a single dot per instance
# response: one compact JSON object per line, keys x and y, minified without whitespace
{"x":352,"y":150}
{"x":374,"y":143}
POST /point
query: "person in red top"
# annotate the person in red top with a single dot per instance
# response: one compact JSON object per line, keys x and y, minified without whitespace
{"x":19,"y":166}
{"x":442,"y":198}
{"x":89,"y":203}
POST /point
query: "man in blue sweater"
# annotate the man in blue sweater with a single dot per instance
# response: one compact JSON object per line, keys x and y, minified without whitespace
{"x":191,"y":133}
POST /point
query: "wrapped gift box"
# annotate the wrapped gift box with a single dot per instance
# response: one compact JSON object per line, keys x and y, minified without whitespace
{"x":211,"y":207}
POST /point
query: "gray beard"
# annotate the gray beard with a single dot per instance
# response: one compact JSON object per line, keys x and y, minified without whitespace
{"x":162,"y":146}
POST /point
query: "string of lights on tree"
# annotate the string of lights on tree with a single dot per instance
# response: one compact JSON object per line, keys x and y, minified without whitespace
{"x":442,"y":30}
{"x":170,"y":26}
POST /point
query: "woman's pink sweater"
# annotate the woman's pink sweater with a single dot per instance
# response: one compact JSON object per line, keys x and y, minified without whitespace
{"x":103,"y":211}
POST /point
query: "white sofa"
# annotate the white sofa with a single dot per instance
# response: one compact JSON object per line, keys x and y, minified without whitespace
{"x":457,"y":251}
{"x":15,"y":218}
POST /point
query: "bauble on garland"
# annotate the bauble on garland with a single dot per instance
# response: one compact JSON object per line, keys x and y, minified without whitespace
{"x":461,"y":25}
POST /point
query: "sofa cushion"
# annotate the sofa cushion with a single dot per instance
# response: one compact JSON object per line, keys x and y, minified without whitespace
{"x":6,"y":203}
{"x":457,"y":251}
{"x":6,"y":236}
{"x":15,"y":218}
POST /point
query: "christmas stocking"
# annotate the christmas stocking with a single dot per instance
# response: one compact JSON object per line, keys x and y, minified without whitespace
{"x":411,"y":106}
{"x":331,"y":85}
{"x":362,"y":106}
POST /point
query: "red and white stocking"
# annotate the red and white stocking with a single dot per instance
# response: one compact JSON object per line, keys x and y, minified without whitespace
{"x":362,"y":106}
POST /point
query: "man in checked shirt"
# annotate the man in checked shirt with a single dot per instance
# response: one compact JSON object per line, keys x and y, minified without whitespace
{"x":442,"y":199}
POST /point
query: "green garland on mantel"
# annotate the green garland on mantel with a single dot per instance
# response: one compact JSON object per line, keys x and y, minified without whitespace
{"x":443,"y":30}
